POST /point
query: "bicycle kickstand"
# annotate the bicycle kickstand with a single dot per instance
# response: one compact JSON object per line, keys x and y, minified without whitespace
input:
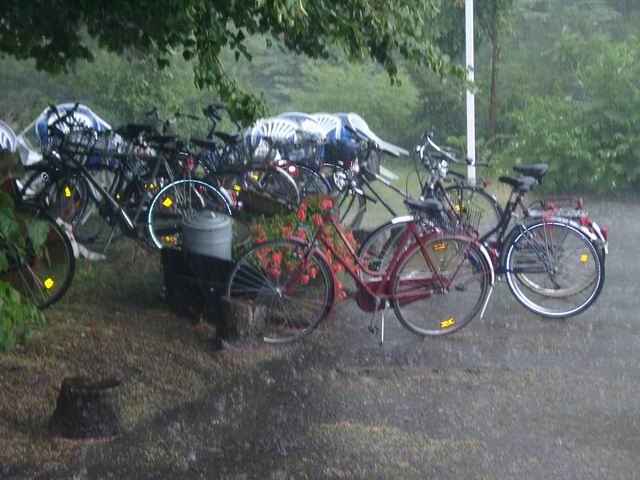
{"x":374,"y":329}
{"x":384,"y":311}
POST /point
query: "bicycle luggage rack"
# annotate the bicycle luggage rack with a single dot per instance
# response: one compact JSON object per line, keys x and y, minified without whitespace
{"x":571,"y":207}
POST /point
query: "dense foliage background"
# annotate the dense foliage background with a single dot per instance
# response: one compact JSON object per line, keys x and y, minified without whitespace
{"x":564,"y":87}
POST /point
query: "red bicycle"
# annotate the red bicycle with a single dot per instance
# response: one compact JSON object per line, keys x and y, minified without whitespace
{"x":436,"y":280}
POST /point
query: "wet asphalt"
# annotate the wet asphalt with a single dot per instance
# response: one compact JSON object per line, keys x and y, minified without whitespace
{"x":511,"y":396}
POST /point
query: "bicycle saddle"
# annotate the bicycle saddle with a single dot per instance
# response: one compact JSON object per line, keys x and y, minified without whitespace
{"x":536,"y":170}
{"x":430,"y":205}
{"x":521,"y":184}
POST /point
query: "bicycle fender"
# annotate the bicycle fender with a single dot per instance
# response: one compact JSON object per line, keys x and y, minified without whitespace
{"x":594,"y":233}
{"x":402,"y":219}
{"x":487,"y":257}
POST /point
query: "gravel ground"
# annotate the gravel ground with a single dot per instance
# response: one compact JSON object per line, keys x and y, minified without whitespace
{"x":511,"y":396}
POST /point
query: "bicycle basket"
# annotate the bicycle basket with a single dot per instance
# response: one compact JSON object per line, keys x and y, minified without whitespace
{"x":466,"y":216}
{"x":92,"y":148}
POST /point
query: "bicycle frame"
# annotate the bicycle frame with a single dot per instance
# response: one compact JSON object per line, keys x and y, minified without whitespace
{"x":380,"y":289}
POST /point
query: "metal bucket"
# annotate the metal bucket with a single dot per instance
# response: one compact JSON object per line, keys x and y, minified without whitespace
{"x":208,"y":233}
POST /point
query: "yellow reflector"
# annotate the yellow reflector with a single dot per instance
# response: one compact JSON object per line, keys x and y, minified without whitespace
{"x":237,"y":188}
{"x":255,"y":177}
{"x":151,"y":186}
{"x":49,"y":283}
{"x":458,"y":207}
{"x":584,"y":258}
{"x":440,"y":246}
{"x":447,"y":323}
{"x":67,"y":192}
{"x":117,"y":196}
{"x":167,"y":202}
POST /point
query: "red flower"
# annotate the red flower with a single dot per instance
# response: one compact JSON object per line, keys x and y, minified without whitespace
{"x":277,"y":259}
{"x":274,"y":272}
{"x":342,"y":295}
{"x":313,"y":272}
{"x":302,"y":213}
{"x":326,"y":204}
{"x":316,"y":219}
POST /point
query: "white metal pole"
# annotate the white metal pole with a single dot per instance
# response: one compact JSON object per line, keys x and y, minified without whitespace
{"x":471,"y":100}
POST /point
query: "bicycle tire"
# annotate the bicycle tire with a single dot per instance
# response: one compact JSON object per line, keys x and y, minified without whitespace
{"x":43,"y":275}
{"x":176,"y":201}
{"x":310,"y":182}
{"x":376,"y":252}
{"x":260,"y":277}
{"x":437,"y":310}
{"x":573,"y":278}
{"x":279,"y":184}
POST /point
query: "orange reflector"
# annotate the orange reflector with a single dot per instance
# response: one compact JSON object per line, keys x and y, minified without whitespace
{"x":167,"y":202}
{"x":170,"y":239}
{"x":440,"y":246}
{"x":49,"y":283}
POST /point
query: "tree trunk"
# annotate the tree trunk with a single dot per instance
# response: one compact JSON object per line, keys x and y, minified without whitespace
{"x":87,"y":409}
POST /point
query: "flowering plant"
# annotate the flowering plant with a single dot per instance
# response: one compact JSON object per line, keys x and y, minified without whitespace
{"x":305,"y":224}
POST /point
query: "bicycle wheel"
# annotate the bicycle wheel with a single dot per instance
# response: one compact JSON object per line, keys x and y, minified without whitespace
{"x":349,"y":206}
{"x":378,"y":249}
{"x":553,"y":269}
{"x":279,"y":184}
{"x":41,"y":274}
{"x":295,"y":287}
{"x":176,"y":201}
{"x":439,"y":290}
{"x":308,"y":181}
{"x":463,"y":196}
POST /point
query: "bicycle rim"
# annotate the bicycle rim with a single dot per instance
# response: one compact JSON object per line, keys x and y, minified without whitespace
{"x":349,"y":207}
{"x":379,"y":248}
{"x":310,"y":182}
{"x":296,"y":294}
{"x":280,"y":185}
{"x":428,"y":306}
{"x":554,"y":270}
{"x":177,"y":201}
{"x":41,"y":275}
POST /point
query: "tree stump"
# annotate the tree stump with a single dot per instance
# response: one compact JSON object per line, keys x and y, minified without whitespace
{"x":87,"y":409}
{"x":241,"y":320}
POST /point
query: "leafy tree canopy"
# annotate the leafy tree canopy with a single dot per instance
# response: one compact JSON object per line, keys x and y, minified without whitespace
{"x":57,"y":33}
